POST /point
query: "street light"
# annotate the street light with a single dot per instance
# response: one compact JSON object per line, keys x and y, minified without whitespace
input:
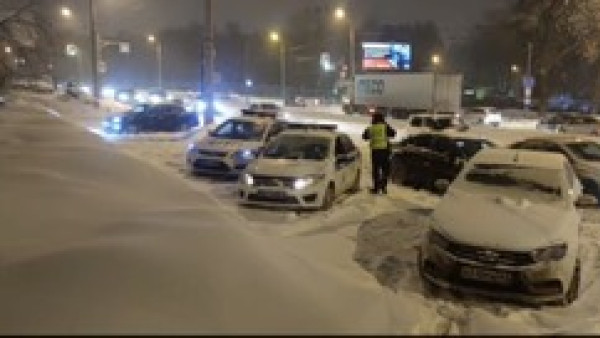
{"x":341,"y":15}
{"x":66,"y":12}
{"x":153,"y":40}
{"x":514,"y":68}
{"x":7,"y":50}
{"x":436,"y":60}
{"x":275,"y":37}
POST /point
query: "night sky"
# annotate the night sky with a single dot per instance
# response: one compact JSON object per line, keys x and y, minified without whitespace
{"x":454,"y":17}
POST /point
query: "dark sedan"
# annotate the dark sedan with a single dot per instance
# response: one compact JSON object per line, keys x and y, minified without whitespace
{"x":152,"y":118}
{"x":422,"y":160}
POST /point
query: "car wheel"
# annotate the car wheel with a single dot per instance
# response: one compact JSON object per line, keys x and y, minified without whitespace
{"x":573,"y":290}
{"x":328,"y":198}
{"x":355,"y":187}
{"x":399,"y":173}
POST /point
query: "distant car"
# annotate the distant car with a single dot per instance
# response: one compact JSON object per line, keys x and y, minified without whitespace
{"x":508,"y":228}
{"x":263,"y":107}
{"x":42,"y":87}
{"x":151,"y":118}
{"x":232,"y":145}
{"x":418,"y":123}
{"x":583,"y":154}
{"x":571,"y":124}
{"x":420,"y":160}
{"x":304,"y":168}
{"x":488,"y":116}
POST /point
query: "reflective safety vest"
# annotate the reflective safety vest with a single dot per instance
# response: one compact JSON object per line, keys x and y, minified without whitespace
{"x":378,"y":133}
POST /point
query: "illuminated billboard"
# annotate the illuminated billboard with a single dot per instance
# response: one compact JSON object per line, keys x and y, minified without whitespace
{"x":389,"y":56}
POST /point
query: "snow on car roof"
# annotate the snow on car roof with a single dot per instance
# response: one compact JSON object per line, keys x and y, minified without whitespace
{"x":528,"y":158}
{"x":312,"y":132}
{"x":561,"y":138}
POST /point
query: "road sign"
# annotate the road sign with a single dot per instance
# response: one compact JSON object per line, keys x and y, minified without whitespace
{"x":528,"y":81}
{"x":124,"y":47}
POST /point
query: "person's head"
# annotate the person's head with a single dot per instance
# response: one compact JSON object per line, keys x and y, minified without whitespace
{"x":378,"y":118}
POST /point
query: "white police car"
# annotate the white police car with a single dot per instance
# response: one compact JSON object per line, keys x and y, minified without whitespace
{"x":305,"y":167}
{"x":233,"y":144}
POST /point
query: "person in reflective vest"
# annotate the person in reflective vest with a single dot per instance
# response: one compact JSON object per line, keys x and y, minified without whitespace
{"x":379,"y":134}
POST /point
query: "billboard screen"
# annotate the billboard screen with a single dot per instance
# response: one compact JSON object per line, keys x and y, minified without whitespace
{"x":386,"y":56}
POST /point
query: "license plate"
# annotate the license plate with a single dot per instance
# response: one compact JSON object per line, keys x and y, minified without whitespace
{"x":486,"y":275}
{"x":271,"y":194}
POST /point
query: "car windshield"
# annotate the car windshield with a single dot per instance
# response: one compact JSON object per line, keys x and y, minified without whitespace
{"x":589,"y":151}
{"x":469,"y":147}
{"x":517,"y":182}
{"x":240,"y":130}
{"x":298,"y":148}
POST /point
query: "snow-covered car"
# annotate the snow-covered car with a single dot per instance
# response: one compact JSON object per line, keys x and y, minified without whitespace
{"x":583,"y":154}
{"x":508,"y":228}
{"x":232,"y":145}
{"x":488,"y":116}
{"x":302,"y":168}
{"x":572,"y":124}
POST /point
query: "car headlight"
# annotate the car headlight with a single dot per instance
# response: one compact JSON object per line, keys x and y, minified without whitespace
{"x":435,"y":238}
{"x":550,"y":253}
{"x":247,"y":179}
{"x":305,"y":182}
{"x":245,"y":154}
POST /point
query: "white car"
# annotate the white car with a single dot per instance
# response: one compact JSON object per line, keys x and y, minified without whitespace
{"x":232,"y":145}
{"x":302,"y":168}
{"x":508,"y":228}
{"x":488,"y":116}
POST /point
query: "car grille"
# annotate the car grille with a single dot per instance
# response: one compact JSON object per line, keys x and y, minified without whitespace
{"x":212,"y":153}
{"x":270,"y":181}
{"x":214,"y":165}
{"x":490,"y":257}
{"x":283,"y":199}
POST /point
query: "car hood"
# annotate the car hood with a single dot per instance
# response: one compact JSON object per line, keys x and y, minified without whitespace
{"x":499,"y":222}
{"x":286,"y":168}
{"x":225,"y":145}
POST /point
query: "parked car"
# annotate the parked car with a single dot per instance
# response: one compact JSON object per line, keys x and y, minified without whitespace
{"x":233,"y":144}
{"x":418,"y":123}
{"x":151,"y":118}
{"x":583,"y":155}
{"x":488,"y":116}
{"x":420,"y":160}
{"x":508,"y":228}
{"x":302,"y":168}
{"x":571,"y":124}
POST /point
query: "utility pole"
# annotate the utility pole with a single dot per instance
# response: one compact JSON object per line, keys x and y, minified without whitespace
{"x":528,"y":81}
{"x":209,"y":60}
{"x":282,"y":71}
{"x":94,"y":42}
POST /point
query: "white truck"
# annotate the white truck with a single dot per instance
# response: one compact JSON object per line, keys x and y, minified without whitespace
{"x":401,"y":94}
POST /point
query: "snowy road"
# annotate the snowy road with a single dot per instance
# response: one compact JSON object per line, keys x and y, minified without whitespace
{"x":122,"y":240}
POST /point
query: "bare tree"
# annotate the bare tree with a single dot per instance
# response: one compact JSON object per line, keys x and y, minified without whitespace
{"x":25,"y":29}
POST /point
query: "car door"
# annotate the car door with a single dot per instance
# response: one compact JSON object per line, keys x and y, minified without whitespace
{"x":354,"y":161}
{"x":440,"y":160}
{"x":342,"y":164}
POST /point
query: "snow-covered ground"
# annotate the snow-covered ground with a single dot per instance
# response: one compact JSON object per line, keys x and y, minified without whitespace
{"x":112,"y":236}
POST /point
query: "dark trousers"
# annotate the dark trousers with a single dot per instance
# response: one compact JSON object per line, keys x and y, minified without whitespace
{"x":380,"y":162}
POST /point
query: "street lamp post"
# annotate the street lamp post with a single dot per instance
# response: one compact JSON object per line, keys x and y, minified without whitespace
{"x":435,"y":62}
{"x":340,"y":15}
{"x":276,"y":38}
{"x":153,"y":40}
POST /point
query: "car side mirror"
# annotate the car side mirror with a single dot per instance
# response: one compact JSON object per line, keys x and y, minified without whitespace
{"x":586,"y":201}
{"x":441,"y":185}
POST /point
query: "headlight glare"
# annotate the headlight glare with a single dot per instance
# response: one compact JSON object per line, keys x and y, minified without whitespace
{"x":248,"y":179}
